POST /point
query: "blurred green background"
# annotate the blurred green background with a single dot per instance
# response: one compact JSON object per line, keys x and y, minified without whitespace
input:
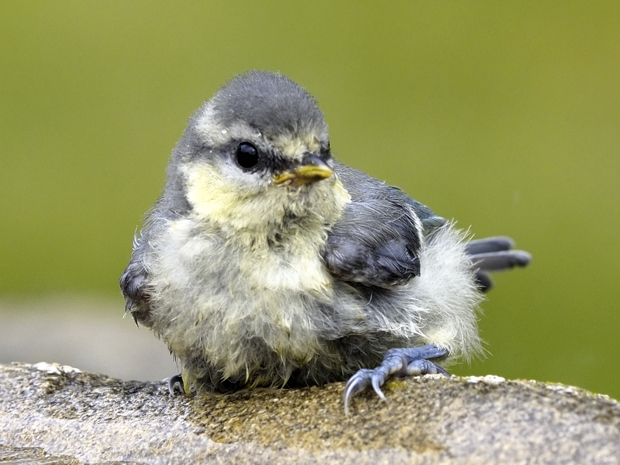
{"x":502,"y":115}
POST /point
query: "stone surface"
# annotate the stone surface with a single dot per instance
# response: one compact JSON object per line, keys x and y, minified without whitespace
{"x":57,"y":414}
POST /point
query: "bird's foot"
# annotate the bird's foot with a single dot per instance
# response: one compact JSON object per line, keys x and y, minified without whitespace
{"x":175,"y":385}
{"x":397,"y":363}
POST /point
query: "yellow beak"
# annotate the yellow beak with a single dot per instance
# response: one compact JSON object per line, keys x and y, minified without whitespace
{"x":313,"y":169}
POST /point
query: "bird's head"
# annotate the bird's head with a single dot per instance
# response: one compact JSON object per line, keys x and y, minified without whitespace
{"x":257,"y":157}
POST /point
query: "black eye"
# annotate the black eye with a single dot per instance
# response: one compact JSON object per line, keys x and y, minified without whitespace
{"x":246,"y":155}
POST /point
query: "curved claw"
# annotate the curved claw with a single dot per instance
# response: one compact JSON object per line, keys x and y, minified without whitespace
{"x":396,"y":363}
{"x":357,"y":383}
{"x":377,"y":382}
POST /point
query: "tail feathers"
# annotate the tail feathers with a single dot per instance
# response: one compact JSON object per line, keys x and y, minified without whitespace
{"x":501,"y":261}
{"x":494,"y":254}
{"x":489,"y":244}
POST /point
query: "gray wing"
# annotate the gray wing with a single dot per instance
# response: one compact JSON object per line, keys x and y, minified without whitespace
{"x":377,"y":240}
{"x":134,"y":281}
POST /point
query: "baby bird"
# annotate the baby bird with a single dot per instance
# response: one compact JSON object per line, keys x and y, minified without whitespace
{"x":267,"y":263}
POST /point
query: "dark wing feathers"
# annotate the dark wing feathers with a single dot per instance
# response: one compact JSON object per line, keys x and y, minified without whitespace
{"x":133,"y":283}
{"x":377,"y":239}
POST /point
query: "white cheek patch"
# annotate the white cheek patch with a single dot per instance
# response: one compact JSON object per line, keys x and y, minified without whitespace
{"x":233,"y":201}
{"x":236,"y":201}
{"x":207,"y":191}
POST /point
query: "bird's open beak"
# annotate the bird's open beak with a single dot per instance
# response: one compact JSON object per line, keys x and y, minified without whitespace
{"x":311,"y":169}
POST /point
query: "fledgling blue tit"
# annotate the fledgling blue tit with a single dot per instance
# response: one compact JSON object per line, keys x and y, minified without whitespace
{"x":267,"y":263}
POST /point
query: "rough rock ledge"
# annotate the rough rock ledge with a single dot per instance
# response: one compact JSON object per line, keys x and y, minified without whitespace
{"x":56,"y":414}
